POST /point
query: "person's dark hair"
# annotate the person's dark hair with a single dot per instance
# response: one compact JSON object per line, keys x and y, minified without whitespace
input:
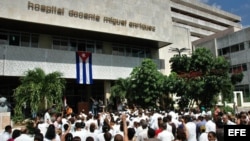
{"x":107,"y":136}
{"x":219,"y":122}
{"x":105,"y":128}
{"x":188,"y":118}
{"x":38,"y":137}
{"x":212,"y":133}
{"x":121,"y":125}
{"x":69,"y":137}
{"x":118,"y":137}
{"x":16,"y":133}
{"x":169,"y":118}
{"x":82,"y":124}
{"x":92,"y":127}
{"x":151,"y":133}
{"x":65,"y":127}
{"x":131,"y":133}
{"x":51,"y":132}
{"x":78,"y":125}
{"x":37,"y":130}
{"x":165,"y":119}
{"x":8,"y":128}
{"x":89,"y":138}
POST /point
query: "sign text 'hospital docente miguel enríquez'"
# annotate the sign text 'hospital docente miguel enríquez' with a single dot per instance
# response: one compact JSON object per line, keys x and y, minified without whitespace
{"x":88,"y":16}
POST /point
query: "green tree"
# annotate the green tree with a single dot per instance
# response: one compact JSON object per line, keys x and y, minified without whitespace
{"x":201,"y":77}
{"x":38,"y":91}
{"x":120,"y":90}
{"x":147,"y":84}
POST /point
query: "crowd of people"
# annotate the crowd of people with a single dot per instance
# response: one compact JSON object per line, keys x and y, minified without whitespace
{"x":135,"y":124}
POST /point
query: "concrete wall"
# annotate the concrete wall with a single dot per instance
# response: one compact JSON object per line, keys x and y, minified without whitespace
{"x":96,"y":15}
{"x":181,"y":39}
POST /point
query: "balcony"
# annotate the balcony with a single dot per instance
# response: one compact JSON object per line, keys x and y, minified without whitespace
{"x":15,"y":60}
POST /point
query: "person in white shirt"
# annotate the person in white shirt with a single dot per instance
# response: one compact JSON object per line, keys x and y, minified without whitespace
{"x":210,"y":125}
{"x":165,"y":135}
{"x":143,"y":135}
{"x":203,"y":134}
{"x":24,"y":136}
{"x":47,"y":117}
{"x":78,"y":131}
{"x":191,"y":128}
{"x":90,"y":120}
{"x":6,"y":134}
{"x":91,"y":132}
{"x":51,"y":134}
{"x":153,"y":120}
{"x":226,"y":120}
{"x":101,"y":136}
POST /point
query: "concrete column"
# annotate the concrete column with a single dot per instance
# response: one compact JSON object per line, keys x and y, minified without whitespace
{"x":107,"y":86}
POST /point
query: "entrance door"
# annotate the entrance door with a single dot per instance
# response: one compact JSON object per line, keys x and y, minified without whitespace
{"x":238,"y":98}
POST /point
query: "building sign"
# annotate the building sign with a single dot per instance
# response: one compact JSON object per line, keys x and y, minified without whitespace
{"x":60,"y":11}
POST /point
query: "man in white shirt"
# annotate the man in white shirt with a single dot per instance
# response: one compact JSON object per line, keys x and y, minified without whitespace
{"x":6,"y":134}
{"x":165,"y":135}
{"x":91,"y":132}
{"x":191,"y":128}
{"x":24,"y":136}
{"x":78,"y":131}
{"x":47,"y":117}
{"x":143,"y":135}
{"x":210,"y":125}
{"x":227,"y":121}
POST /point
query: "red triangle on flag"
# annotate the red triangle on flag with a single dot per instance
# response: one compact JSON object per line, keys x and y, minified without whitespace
{"x":83,"y":55}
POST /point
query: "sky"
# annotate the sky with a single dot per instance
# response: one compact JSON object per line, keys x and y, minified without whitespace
{"x":237,"y":7}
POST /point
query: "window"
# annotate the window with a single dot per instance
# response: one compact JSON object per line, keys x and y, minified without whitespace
{"x":238,"y":68}
{"x":244,"y":67}
{"x":98,"y":47}
{"x":220,"y":52}
{"x":118,"y":51}
{"x":147,"y":54}
{"x":138,"y":53}
{"x":64,"y":44}
{"x":128,"y":52}
{"x":25,"y":40}
{"x":60,"y":43}
{"x":225,"y":50}
{"x":234,"y":48}
{"x":242,"y":47}
{"x":73,"y":44}
{"x":3,"y":38}
{"x":56,"y":44}
{"x":90,"y":46}
{"x":14,"y":39}
{"x":81,"y":45}
{"x":34,"y":40}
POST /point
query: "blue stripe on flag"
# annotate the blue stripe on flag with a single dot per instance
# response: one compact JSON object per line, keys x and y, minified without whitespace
{"x":90,"y":69}
{"x":77,"y":68}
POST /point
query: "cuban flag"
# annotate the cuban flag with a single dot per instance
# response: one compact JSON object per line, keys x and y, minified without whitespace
{"x":84,"y":67}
